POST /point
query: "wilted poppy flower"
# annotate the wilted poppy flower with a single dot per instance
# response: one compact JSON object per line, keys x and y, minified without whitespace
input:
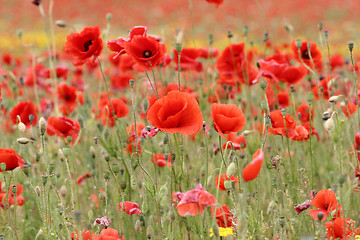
{"x":223,"y":178}
{"x":176,"y":112}
{"x":129,"y":207}
{"x":161,"y":160}
{"x":252,"y":170}
{"x":84,"y":45}
{"x":63,"y":127}
{"x":120,"y":110}
{"x":188,"y":58}
{"x":326,"y":202}
{"x":316,"y":56}
{"x":303,"y":206}
{"x":24,"y":110}
{"x":194,"y":201}
{"x":224,"y":216}
{"x":238,"y":142}
{"x":11,"y":159}
{"x":278,"y":126}
{"x":335,"y":229}
{"x":227,"y":118}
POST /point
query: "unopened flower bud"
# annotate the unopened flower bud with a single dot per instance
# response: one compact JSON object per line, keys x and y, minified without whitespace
{"x":283,"y":111}
{"x":178,"y":47}
{"x":37,"y":158}
{"x":23,"y":140}
{"x":248,"y":132}
{"x":38,"y":191}
{"x":21,"y":126}
{"x":329,"y":124}
{"x":19,"y":33}
{"x":230,"y":171}
{"x":92,"y":152}
{"x":106,"y":175}
{"x":334,"y":99}
{"x":298,"y":43}
{"x":228,"y":185}
{"x":351,"y":46}
{"x":263,"y":85}
{"x":66,"y":151}
{"x":53,"y":179}
{"x":14,"y":189}
{"x":3,"y":167}
{"x":63,"y":191}
{"x":320,"y":26}
{"x":60,"y":23}
{"x":108,"y":17}
{"x":26,"y":169}
{"x":341,"y":179}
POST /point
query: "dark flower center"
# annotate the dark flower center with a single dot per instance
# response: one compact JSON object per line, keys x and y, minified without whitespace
{"x":305,"y":54}
{"x":326,"y":206}
{"x":147,"y":54}
{"x":87,"y":45}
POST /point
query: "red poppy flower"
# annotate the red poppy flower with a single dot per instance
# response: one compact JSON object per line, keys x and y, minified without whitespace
{"x":303,"y":113}
{"x":161,"y":160}
{"x":304,"y":54}
{"x":278,"y":127}
{"x":176,"y":112}
{"x":283,"y":98}
{"x":11,"y":159}
{"x":324,"y":89}
{"x":86,"y":235}
{"x":80,"y":180}
{"x":302,"y":134}
{"x":208,"y":53}
{"x":349,"y":110}
{"x":11,"y":197}
{"x":326,"y":202}
{"x":120,"y":81}
{"x":0,"y":92}
{"x":252,"y":170}
{"x":194,"y":201}
{"x":217,"y":2}
{"x":335,"y":229}
{"x":129,"y":207}
{"x":63,"y":127}
{"x":225,"y":218}
{"x":188,"y":58}
{"x":24,"y":110}
{"x":67,"y":94}
{"x":227,"y":118}
{"x":84,"y":45}
{"x":336,"y":61}
{"x":223,"y":178}
{"x":120,"y":109}
{"x":238,"y":142}
{"x":110,"y":234}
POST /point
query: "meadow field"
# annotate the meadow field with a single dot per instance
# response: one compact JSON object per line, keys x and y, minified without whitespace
{"x":188,"y":119}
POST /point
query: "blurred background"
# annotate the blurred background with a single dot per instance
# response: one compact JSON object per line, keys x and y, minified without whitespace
{"x":195,"y":19}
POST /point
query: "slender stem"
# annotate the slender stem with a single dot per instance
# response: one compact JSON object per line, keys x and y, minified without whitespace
{"x":356,"y":86}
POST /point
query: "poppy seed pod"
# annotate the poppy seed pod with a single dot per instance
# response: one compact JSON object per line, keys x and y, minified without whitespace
{"x":351,"y":46}
{"x":42,"y":126}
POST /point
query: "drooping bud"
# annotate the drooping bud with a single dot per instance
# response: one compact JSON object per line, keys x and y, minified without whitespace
{"x":351,"y":46}
{"x":334,"y":99}
{"x":23,"y":140}
{"x":228,"y":185}
{"x":329,"y":124}
{"x":215,"y":230}
{"x":138,"y":225}
{"x":231,"y":169}
{"x":60,"y":23}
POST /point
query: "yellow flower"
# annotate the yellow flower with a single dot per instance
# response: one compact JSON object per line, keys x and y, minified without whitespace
{"x":223,"y":232}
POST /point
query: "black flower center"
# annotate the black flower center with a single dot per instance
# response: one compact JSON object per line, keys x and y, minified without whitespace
{"x":147,"y":54}
{"x":87,"y":44}
{"x":305,"y":54}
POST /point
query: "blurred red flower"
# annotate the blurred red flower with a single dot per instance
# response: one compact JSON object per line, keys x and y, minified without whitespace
{"x":316,"y":56}
{"x":217,"y":2}
{"x":161,"y":159}
{"x":278,"y":126}
{"x":325,"y":201}
{"x":11,"y":197}
{"x":227,"y":118}
{"x":188,"y":58}
{"x":238,"y":142}
{"x":129,"y":207}
{"x":84,"y":45}
{"x":63,"y":127}
{"x":176,"y":112}
{"x":120,"y":110}
{"x":194,"y":201}
{"x":11,"y":159}
{"x":335,"y":229}
{"x":252,"y":170}
{"x":24,"y":110}
{"x":303,"y":113}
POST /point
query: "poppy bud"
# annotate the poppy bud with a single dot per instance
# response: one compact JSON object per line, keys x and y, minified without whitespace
{"x":44,"y":179}
{"x":31,"y":118}
{"x":283,"y":112}
{"x":53,"y":179}
{"x":282,"y":221}
{"x":248,"y":132}
{"x":298,"y":43}
{"x":51,"y":168}
{"x":178,"y":47}
{"x":308,"y":45}
{"x":263,"y":105}
{"x":23,"y":140}
{"x":211,"y":39}
{"x":145,"y":105}
{"x":61,"y":23}
{"x":320,"y":216}
{"x":106,"y":175}
{"x":95,"y":140}
{"x":21,"y":126}
{"x":92,"y":152}
{"x":326,"y":115}
{"x":329,"y":124}
{"x":138,"y":225}
{"x":229,"y":34}
{"x":341,"y":179}
{"x":108,"y":17}
{"x":26,"y":169}
{"x":204,"y":124}
{"x":351,"y":46}
{"x":107,"y":158}
{"x":81,"y":121}
{"x":66,"y":151}
{"x":215,"y":230}
{"x":228,"y":185}
{"x":334,"y":99}
{"x":14,"y":189}
{"x":326,"y":33}
{"x":38,"y":191}
{"x":3,"y":166}
{"x":245,"y":30}
{"x":230,"y":171}
{"x":115,"y":168}
{"x":123,"y":184}
{"x":320,"y":26}
{"x":131,"y":82}
{"x":37,"y":158}
{"x":263,"y":85}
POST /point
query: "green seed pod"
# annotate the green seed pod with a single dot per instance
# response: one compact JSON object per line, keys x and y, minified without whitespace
{"x":228,"y":185}
{"x":26,"y":169}
{"x":44,"y":179}
{"x":106,"y":175}
{"x":3,"y":167}
{"x":123,"y":184}
{"x":66,"y":151}
{"x":298,"y":43}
